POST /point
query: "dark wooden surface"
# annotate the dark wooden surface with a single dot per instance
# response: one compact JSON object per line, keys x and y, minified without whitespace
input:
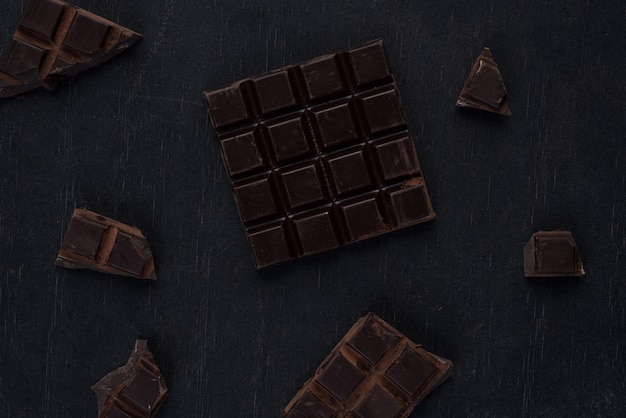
{"x":132,"y":140}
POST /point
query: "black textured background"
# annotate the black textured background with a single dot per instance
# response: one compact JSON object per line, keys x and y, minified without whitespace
{"x":132,"y":140}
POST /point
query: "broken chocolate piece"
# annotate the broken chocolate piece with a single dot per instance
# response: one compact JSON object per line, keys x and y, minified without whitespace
{"x":552,"y":254}
{"x":55,"y":40}
{"x":95,"y":242}
{"x":135,"y":390}
{"x":319,"y":154}
{"x":374,"y":372}
{"x":484,"y":88}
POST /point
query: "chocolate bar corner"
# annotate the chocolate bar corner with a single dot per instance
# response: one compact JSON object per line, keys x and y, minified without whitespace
{"x":373,"y":372}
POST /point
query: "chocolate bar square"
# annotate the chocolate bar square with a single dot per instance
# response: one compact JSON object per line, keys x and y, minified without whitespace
{"x":326,"y":136}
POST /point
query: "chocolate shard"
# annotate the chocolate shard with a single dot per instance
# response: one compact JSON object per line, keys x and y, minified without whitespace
{"x":319,"y":154}
{"x":552,"y":254}
{"x":99,"y":243}
{"x":374,"y":372}
{"x":55,"y":40}
{"x":484,"y":88}
{"x":135,"y":390}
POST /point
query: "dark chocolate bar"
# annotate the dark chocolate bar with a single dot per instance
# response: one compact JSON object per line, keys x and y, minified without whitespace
{"x":319,"y":154}
{"x":95,"y":242}
{"x":55,"y":40}
{"x":135,"y":390}
{"x":552,"y":254}
{"x":484,"y":88}
{"x":374,"y":372}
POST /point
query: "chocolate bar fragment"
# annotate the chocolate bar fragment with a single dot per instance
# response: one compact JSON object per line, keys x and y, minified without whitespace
{"x":374,"y":372}
{"x":552,"y":254}
{"x":319,"y":154}
{"x":98,"y":243}
{"x":484,"y":88}
{"x":55,"y":40}
{"x":135,"y":390}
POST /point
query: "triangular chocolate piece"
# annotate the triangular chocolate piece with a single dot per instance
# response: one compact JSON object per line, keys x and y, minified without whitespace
{"x":99,"y":243}
{"x":484,"y":88}
{"x":55,"y":40}
{"x":136,"y":389}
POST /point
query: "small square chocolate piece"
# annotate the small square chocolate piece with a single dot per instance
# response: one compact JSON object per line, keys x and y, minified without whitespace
{"x":87,"y":237}
{"x":41,"y":17}
{"x":334,"y":125}
{"x":369,"y":64}
{"x":241,"y":153}
{"x":326,"y":136}
{"x":372,"y":340}
{"x":379,"y":403}
{"x":382,"y":111}
{"x":256,"y":199}
{"x":274,"y":92}
{"x":287,"y":139}
{"x":310,"y":406}
{"x":315,"y":231}
{"x":302,"y":185}
{"x":340,"y":378}
{"x":86,"y":34}
{"x":349,"y":172}
{"x":374,"y":372}
{"x":322,"y":77}
{"x":270,"y":244}
{"x":402,"y":201}
{"x":552,"y":254}
{"x":22,"y":59}
{"x":396,"y":158}
{"x":227,"y":106}
{"x":362,"y":218}
{"x":411,"y":371}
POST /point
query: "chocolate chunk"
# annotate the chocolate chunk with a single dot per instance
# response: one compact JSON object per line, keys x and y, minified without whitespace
{"x":95,"y":242}
{"x":135,"y":390}
{"x":319,"y":154}
{"x":55,"y":40}
{"x":484,"y":88}
{"x":374,"y":372}
{"x":552,"y":254}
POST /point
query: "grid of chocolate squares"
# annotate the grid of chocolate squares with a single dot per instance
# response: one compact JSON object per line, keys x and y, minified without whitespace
{"x":319,"y":155}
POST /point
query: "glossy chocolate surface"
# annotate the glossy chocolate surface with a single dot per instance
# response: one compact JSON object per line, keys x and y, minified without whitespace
{"x":484,"y":88}
{"x":135,"y":390}
{"x":319,"y":154}
{"x":552,"y":254}
{"x":55,"y":40}
{"x":99,"y":243}
{"x":374,"y":372}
